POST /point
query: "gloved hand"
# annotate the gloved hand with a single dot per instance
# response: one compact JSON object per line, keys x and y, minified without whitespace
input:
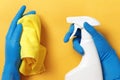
{"x":109,"y":60}
{"x":12,"y":48}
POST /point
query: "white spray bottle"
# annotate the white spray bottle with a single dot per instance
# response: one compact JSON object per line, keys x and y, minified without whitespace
{"x":89,"y":67}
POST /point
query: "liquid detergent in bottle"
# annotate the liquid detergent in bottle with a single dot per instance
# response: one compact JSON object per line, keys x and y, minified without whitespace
{"x":89,"y":67}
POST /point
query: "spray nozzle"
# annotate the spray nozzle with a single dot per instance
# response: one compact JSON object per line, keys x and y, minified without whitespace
{"x":79,"y":22}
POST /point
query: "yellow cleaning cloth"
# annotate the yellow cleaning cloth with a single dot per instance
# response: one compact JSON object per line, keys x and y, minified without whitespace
{"x":32,"y":52}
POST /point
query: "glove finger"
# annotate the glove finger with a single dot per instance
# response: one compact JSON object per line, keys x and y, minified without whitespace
{"x":17,"y":33}
{"x":30,"y":12}
{"x":91,"y":30}
{"x":69,"y":33}
{"x":14,"y":22}
{"x":77,"y":46}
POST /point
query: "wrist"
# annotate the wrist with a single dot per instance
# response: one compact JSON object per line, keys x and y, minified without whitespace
{"x":111,"y":66}
{"x":9,"y":64}
{"x":9,"y":67}
{"x":9,"y":71}
{"x":15,"y":64}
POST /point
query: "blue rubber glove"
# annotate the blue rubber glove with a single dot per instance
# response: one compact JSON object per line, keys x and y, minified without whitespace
{"x":12,"y":48}
{"x":109,"y":60}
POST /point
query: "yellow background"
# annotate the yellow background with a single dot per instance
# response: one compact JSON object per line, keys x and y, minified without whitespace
{"x":60,"y":56}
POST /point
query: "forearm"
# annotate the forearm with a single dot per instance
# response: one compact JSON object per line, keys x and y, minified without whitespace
{"x":111,"y":67}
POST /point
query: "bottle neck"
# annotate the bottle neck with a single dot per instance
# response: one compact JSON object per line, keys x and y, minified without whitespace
{"x":85,"y":35}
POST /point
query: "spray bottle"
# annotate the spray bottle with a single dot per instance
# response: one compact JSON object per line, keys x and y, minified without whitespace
{"x":89,"y":67}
